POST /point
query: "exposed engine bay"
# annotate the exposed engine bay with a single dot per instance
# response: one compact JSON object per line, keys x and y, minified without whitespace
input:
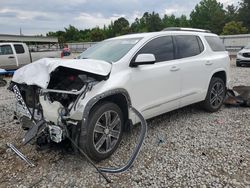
{"x":53,"y":104}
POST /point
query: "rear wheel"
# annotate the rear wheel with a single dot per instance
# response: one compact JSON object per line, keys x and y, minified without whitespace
{"x":215,"y":95}
{"x":104,"y":131}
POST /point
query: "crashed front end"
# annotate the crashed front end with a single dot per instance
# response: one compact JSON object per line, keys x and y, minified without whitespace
{"x":47,"y":93}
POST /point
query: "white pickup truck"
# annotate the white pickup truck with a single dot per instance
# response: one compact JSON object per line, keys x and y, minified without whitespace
{"x":16,"y":55}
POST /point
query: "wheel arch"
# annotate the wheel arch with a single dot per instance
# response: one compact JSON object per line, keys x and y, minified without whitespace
{"x":118,"y":96}
{"x":220,"y":73}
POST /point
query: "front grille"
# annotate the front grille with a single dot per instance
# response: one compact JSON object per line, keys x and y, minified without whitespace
{"x":246,"y":54}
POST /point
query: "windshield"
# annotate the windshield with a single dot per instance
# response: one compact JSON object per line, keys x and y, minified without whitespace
{"x":248,"y":46}
{"x":110,"y":50}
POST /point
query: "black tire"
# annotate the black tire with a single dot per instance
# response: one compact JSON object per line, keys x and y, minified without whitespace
{"x":98,"y":129}
{"x":238,"y":64}
{"x":215,"y":95}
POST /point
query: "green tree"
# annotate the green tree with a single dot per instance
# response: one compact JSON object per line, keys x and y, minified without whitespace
{"x":183,"y":21}
{"x":121,"y":26}
{"x":59,"y":34}
{"x":208,"y":14}
{"x":97,"y":35}
{"x":231,"y":13}
{"x":170,"y":21}
{"x":147,"y":23}
{"x":244,"y":13}
{"x":233,"y":28}
{"x":72,"y":34}
{"x":154,"y":22}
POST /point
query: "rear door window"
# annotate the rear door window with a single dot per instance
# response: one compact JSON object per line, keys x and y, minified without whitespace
{"x":19,"y":48}
{"x":188,"y":46}
{"x":6,"y":50}
{"x":215,"y":43}
{"x":161,"y":47}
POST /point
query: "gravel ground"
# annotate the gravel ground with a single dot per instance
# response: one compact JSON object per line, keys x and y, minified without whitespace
{"x":184,"y":148}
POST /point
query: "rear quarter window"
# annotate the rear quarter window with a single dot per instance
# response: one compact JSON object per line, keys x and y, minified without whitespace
{"x":215,"y":43}
{"x":19,"y":48}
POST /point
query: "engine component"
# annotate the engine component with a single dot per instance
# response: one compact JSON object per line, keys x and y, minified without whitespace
{"x":56,"y":133}
{"x":50,"y":109}
{"x":26,"y":122}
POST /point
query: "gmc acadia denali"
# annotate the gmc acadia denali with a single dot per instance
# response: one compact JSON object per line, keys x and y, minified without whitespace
{"x":92,"y":96}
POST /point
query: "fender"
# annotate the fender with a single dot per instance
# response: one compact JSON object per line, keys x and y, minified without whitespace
{"x":94,"y":100}
{"x":215,"y":71}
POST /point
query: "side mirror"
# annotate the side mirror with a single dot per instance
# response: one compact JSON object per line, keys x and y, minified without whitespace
{"x":143,"y":59}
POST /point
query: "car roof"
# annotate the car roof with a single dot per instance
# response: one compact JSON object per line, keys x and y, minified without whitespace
{"x":155,"y":34}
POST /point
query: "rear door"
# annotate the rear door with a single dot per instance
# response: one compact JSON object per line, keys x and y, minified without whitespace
{"x":194,"y":73}
{"x":7,"y":58}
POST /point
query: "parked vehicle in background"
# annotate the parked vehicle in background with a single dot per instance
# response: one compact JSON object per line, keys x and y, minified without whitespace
{"x":16,"y":55}
{"x":243,"y":56}
{"x":92,"y":96}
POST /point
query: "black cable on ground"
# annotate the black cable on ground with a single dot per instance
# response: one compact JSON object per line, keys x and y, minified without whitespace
{"x":136,"y":150}
{"x":86,"y":156}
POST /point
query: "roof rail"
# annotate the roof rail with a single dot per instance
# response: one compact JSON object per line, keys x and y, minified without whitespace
{"x":185,"y":29}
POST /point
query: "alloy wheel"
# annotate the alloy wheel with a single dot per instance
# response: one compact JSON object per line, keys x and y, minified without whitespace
{"x":107,"y":131}
{"x":217,"y":95}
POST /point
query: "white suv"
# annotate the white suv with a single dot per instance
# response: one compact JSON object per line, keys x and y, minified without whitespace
{"x":92,"y":96}
{"x":243,"y":56}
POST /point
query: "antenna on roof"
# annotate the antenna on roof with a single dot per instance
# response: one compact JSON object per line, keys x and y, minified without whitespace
{"x":185,"y":29}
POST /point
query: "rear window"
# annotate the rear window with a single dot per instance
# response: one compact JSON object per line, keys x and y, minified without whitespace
{"x":19,"y":48}
{"x":188,"y":46}
{"x":215,"y":43}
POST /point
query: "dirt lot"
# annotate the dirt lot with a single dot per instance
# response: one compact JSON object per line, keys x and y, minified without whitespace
{"x":187,"y":147}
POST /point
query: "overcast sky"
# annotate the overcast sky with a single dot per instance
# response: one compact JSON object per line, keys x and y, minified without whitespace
{"x":41,"y":16}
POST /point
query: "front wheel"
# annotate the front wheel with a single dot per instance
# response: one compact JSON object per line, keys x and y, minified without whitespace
{"x":215,"y":95}
{"x":104,"y":131}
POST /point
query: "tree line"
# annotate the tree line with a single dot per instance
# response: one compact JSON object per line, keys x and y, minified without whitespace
{"x":208,"y":14}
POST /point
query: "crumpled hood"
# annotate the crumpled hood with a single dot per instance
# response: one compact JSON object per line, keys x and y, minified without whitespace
{"x":38,"y":72}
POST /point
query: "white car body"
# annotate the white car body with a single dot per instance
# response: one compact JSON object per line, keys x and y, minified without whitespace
{"x":243,"y":56}
{"x":11,"y":59}
{"x":151,"y":88}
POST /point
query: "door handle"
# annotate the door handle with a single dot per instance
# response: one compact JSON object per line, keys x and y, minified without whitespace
{"x":174,"y":68}
{"x":11,"y":57}
{"x":208,"y":63}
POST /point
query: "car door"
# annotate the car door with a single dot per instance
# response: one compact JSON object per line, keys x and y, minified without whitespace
{"x":22,"y":55}
{"x":7,"y":58}
{"x":193,"y":68}
{"x":155,"y":88}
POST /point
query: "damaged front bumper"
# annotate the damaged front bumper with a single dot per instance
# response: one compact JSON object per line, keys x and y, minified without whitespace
{"x":44,"y":118}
